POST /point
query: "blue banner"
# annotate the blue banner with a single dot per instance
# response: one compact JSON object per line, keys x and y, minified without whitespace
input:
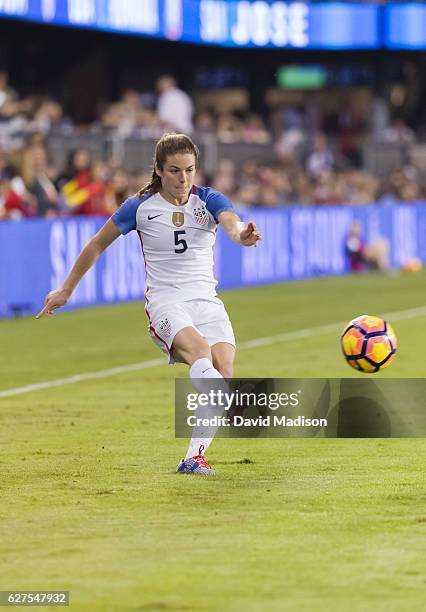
{"x":300,"y":242}
{"x":234,"y":23}
{"x":308,"y":241}
{"x":36,"y":256}
{"x":405,"y":25}
{"x":240,"y":23}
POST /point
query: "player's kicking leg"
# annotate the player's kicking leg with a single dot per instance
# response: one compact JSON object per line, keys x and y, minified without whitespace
{"x":190,"y":347}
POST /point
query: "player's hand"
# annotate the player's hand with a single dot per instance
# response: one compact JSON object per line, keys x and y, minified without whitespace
{"x":54,"y":299}
{"x":250,"y":235}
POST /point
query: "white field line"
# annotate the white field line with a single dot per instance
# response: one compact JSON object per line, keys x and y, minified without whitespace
{"x":400,"y":315}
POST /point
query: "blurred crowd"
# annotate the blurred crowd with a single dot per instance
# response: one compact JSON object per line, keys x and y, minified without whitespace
{"x":308,"y":167}
{"x":288,"y":127}
{"x":32,"y":186}
{"x":277,"y":185}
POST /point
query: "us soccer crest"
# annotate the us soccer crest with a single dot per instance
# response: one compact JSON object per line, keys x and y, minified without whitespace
{"x":201,"y":216}
{"x":165,"y":327}
{"x":178,"y":219}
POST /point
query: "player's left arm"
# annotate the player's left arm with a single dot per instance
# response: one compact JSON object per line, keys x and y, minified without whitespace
{"x":246,"y":234}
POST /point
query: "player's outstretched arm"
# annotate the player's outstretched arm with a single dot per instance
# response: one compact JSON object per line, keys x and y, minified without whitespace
{"x":59,"y":297}
{"x":246,"y":234}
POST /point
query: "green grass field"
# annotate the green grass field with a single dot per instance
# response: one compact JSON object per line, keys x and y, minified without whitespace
{"x":90,"y":501}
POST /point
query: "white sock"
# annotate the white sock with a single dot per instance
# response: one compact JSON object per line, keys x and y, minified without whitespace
{"x":201,"y":373}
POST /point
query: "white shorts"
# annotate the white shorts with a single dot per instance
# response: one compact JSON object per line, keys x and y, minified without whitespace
{"x":209,"y":318}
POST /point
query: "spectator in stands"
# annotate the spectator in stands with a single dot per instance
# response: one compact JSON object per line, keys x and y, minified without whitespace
{"x":379,"y":118}
{"x":73,"y":183}
{"x":320,"y":159}
{"x":325,"y":188}
{"x":302,"y":188}
{"x":12,"y":203}
{"x":225,"y":180}
{"x":200,"y":177}
{"x":359,"y":187}
{"x":247,"y":195}
{"x":254,"y":130}
{"x":289,"y":144}
{"x":292,"y":117}
{"x":205,"y":123}
{"x":39,"y":181}
{"x":8,"y":96}
{"x":269,"y":197}
{"x":117,"y":190}
{"x":279,"y":179}
{"x":48,"y":116}
{"x":130,"y":117}
{"x":79,"y":162}
{"x":403,"y":185}
{"x":399,"y":133}
{"x":123,"y":115}
{"x":229,"y":128}
{"x":350,"y":128}
{"x":363,"y":255}
{"x":95,"y":191}
{"x":248,"y":172}
{"x":174,"y":106}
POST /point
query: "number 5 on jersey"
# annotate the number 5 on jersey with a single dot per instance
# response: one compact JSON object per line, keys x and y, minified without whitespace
{"x":180,"y":242}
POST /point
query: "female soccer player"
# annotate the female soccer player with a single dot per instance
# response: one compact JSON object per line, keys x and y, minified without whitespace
{"x":177,"y":223}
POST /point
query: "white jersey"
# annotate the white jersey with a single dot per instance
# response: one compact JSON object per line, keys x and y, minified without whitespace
{"x":177,"y":243}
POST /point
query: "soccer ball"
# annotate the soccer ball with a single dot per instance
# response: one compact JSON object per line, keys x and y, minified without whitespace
{"x":412,"y":265}
{"x":368,"y":344}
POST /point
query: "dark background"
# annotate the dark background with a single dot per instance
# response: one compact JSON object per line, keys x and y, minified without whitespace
{"x":82,"y":68}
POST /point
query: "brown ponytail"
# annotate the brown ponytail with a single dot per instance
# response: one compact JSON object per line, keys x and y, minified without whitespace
{"x":169,"y":144}
{"x":153,"y":186}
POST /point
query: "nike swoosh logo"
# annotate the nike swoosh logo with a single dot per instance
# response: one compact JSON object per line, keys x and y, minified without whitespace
{"x":204,"y":371}
{"x":154,"y":217}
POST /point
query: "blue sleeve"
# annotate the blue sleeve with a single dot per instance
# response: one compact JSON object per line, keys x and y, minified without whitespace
{"x":125,"y":217}
{"x":216,"y":203}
